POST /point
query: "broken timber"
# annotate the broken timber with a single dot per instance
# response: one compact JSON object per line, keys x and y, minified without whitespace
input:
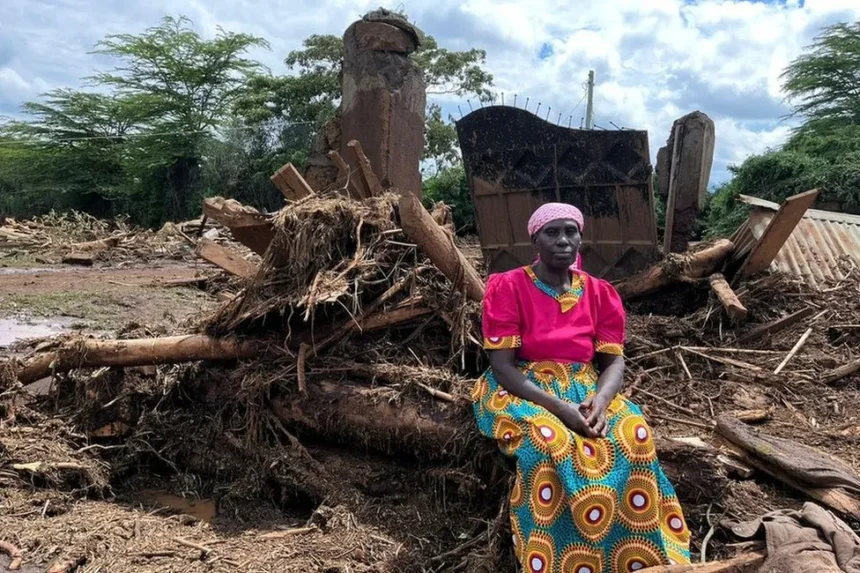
{"x":247,"y":225}
{"x":746,"y":563}
{"x":777,"y":325}
{"x":809,"y":470}
{"x":778,"y":231}
{"x":841,"y":372}
{"x":291,"y":183}
{"x":368,"y":177}
{"x":225,"y":258}
{"x":727,"y":296}
{"x":676,"y":268}
{"x":352,"y":181}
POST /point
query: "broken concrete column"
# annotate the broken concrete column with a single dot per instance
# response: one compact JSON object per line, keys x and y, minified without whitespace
{"x":320,"y":172}
{"x":384,"y":99}
{"x":683,"y":170}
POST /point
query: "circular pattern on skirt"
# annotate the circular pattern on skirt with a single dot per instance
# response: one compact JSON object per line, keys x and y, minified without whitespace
{"x":518,"y":492}
{"x":518,"y":539}
{"x":581,"y":559}
{"x":508,"y":434}
{"x":635,"y":440}
{"x":546,"y":495}
{"x":500,"y":399}
{"x":593,"y":459}
{"x":640,"y":509}
{"x":540,"y":554}
{"x":549,"y":436}
{"x":673,"y":523}
{"x":618,"y":407}
{"x":480,"y":389}
{"x":677,"y":557}
{"x":593,"y":511}
{"x":545,"y":373}
{"x":634,"y":555}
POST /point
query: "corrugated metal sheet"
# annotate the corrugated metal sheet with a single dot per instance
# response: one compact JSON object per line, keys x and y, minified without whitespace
{"x":823,"y":246}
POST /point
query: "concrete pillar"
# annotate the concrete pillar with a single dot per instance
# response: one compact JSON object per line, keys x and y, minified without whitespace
{"x":683,"y":171}
{"x":384,"y":98}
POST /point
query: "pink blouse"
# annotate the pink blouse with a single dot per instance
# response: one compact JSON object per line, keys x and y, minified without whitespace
{"x":522,"y":312}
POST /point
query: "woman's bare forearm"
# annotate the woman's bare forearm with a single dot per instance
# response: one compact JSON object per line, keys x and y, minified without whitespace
{"x":511,"y":379}
{"x":611,"y":375}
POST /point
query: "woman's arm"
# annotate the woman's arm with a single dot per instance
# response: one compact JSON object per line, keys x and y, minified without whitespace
{"x":503,"y":363}
{"x":609,"y":383}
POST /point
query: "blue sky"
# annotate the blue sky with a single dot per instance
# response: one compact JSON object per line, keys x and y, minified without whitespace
{"x":654,"y":60}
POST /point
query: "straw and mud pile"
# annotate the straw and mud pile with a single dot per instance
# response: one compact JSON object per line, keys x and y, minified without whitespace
{"x":325,"y":409}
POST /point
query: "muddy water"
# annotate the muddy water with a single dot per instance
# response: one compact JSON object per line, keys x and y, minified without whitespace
{"x":15,"y":329}
{"x":202,"y":509}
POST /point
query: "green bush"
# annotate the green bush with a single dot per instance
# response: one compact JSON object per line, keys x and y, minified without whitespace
{"x":451,"y":187}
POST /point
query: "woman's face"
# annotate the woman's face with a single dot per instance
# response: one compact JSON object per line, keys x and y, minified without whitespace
{"x":558,"y":242}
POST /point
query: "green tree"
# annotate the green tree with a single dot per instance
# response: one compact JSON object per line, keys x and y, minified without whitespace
{"x":823,"y":86}
{"x":313,"y":94}
{"x":138,"y":144}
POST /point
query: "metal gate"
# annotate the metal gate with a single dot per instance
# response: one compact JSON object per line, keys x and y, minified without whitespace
{"x":516,"y":161}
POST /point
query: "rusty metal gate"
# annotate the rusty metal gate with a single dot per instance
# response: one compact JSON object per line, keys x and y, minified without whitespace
{"x":516,"y":161}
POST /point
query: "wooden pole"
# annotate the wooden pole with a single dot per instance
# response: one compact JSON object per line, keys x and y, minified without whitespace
{"x":746,"y":563}
{"x":420,"y":226}
{"x":727,"y":296}
{"x":92,"y":353}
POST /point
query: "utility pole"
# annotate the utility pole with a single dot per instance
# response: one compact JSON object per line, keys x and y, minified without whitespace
{"x":589,"y":109}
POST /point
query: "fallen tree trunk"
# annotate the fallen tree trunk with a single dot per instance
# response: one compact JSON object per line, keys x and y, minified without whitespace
{"x":676,"y":268}
{"x":437,"y":430}
{"x":809,"y":470}
{"x":134,"y":352}
{"x":727,"y":297}
{"x":419,"y":224}
{"x":747,"y":563}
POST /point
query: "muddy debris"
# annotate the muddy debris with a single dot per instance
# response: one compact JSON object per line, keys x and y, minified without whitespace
{"x":341,"y":438}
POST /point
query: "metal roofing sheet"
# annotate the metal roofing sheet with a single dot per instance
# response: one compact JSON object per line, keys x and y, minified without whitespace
{"x":821,"y":248}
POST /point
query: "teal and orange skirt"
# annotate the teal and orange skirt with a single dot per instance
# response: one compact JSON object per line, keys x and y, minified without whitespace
{"x":582,"y":505}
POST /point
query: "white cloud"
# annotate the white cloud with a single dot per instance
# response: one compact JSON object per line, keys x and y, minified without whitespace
{"x":654,"y":60}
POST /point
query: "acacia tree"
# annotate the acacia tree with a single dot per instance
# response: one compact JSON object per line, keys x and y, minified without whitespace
{"x":823,"y":84}
{"x":138,"y":141}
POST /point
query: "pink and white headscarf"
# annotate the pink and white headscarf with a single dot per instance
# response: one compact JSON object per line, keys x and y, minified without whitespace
{"x":552,"y":212}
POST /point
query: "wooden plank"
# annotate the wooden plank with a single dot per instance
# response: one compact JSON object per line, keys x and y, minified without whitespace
{"x":353,"y":181}
{"x":247,"y":225}
{"x":368,"y":177}
{"x":777,"y":325}
{"x":225,"y":258}
{"x":291,"y":183}
{"x":777,"y":233}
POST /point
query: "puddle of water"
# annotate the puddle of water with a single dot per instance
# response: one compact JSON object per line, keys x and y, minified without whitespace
{"x":15,"y":329}
{"x":202,"y":509}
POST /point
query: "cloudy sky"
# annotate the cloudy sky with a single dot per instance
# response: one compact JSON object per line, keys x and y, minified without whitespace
{"x":654,"y":59}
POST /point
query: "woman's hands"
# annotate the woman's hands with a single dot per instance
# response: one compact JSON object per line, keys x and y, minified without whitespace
{"x":595,"y":407}
{"x":572,"y":417}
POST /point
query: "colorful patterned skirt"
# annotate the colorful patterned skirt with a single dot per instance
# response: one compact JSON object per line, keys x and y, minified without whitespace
{"x":582,"y":505}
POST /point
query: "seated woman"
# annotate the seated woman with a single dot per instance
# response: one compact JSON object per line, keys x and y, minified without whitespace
{"x":590,"y":495}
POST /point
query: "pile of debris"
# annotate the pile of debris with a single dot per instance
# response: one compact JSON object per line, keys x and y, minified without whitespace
{"x":357,"y":336}
{"x":77,"y":238}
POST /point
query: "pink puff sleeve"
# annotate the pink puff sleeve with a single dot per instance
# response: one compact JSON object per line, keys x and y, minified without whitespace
{"x":501,"y":315}
{"x":611,"y":319}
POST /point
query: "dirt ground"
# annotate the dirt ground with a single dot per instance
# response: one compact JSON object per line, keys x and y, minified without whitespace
{"x":41,"y":301}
